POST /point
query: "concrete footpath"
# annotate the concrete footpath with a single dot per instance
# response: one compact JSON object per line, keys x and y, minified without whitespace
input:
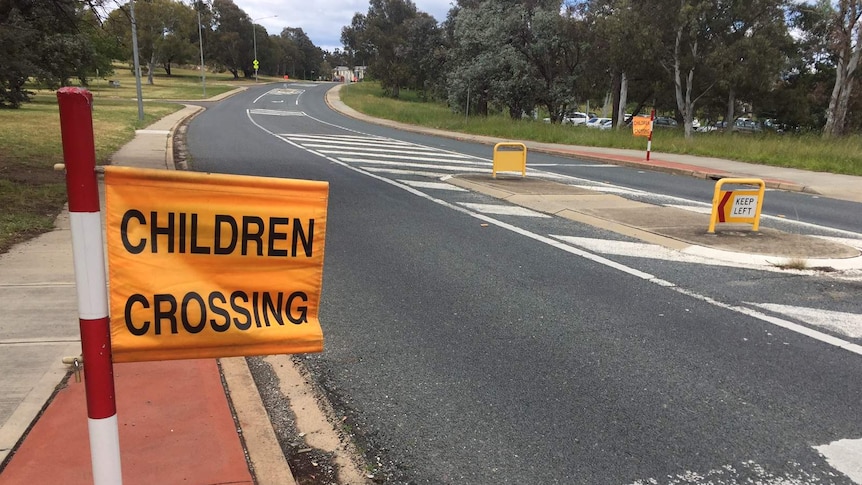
{"x":201,"y":421}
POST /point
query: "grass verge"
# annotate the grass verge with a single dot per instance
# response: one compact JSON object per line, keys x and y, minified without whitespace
{"x":31,"y":192}
{"x":807,"y":152}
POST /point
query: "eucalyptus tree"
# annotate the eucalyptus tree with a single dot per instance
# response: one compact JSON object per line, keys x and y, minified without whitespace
{"x":515,"y":54}
{"x":623,"y":53}
{"x":357,"y":45}
{"x":553,"y":43}
{"x":383,"y":35}
{"x":232,"y":38}
{"x":482,"y":61}
{"x":306,"y":57}
{"x":165,"y":31}
{"x":426,"y":47}
{"x":846,"y":47}
{"x":752,"y":52}
{"x":51,"y":42}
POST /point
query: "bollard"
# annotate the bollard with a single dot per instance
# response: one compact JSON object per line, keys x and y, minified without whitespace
{"x":79,"y":154}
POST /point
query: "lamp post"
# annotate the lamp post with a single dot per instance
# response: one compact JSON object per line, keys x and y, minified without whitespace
{"x":254,"y":41}
{"x":203,"y":72}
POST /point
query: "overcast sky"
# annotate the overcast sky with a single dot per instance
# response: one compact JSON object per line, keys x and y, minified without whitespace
{"x":322,"y":20}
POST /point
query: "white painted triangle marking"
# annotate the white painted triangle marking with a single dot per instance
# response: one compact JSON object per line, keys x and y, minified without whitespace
{"x":844,"y":456}
{"x":849,"y":324}
{"x":506,"y":210}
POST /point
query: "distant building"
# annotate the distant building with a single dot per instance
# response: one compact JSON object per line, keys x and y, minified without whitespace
{"x":359,"y":72}
{"x":345,"y":74}
{"x":342,"y":74}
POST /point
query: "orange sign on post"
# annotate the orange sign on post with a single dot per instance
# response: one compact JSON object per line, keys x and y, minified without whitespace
{"x":641,"y":126}
{"x":210,"y":265}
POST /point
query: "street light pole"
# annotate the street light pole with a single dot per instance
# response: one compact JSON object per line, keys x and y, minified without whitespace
{"x":254,"y":41}
{"x":203,"y":71}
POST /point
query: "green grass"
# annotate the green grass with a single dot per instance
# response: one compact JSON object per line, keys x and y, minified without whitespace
{"x":807,"y":152}
{"x":31,"y":192}
{"x":183,"y":84}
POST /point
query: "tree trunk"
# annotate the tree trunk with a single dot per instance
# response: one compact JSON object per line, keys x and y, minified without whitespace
{"x":624,"y":94}
{"x":683,"y":99}
{"x":616,"y":84}
{"x":151,"y":66}
{"x":730,"y":116}
{"x":839,"y":101}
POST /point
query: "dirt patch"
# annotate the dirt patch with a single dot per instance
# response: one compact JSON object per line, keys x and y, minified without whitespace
{"x":29,"y":175}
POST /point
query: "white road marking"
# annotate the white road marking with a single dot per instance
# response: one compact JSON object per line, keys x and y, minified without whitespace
{"x":504,"y":210}
{"x":396,"y":171}
{"x":350,"y":141}
{"x":744,"y":473}
{"x":703,"y":255}
{"x":704,"y":209}
{"x":275,"y":112}
{"x":452,"y":168}
{"x":323,"y":137}
{"x":432,"y":185}
{"x":852,"y":242}
{"x":849,"y":324}
{"x":843,"y":264}
{"x":647,"y":251}
{"x":357,"y":150}
{"x":844,"y":456}
{"x":402,"y":157}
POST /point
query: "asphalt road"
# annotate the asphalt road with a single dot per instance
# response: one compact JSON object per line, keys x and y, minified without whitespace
{"x":465,"y":346}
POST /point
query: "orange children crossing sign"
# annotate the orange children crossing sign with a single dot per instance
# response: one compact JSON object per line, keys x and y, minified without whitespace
{"x":210,"y":265}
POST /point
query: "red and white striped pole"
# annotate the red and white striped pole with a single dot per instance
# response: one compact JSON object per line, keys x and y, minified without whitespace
{"x":79,"y":154}
{"x":649,"y":138}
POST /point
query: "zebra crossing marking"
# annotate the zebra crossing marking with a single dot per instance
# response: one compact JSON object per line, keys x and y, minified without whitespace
{"x":451,"y":168}
{"x":432,"y":185}
{"x":848,"y":324}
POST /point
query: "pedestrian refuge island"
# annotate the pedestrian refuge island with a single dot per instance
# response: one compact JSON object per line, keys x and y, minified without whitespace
{"x":738,"y":205}
{"x":510,"y":157}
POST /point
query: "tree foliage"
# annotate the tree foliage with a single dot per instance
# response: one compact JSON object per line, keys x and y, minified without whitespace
{"x":51,"y":42}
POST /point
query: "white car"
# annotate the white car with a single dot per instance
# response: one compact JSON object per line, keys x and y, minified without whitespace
{"x":606,"y":125}
{"x":596,"y":122}
{"x":576,"y":118}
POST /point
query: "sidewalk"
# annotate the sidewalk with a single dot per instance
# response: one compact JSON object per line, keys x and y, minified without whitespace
{"x":175,"y":418}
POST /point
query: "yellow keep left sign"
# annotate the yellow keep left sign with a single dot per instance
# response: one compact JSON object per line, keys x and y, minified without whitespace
{"x":210,"y":265}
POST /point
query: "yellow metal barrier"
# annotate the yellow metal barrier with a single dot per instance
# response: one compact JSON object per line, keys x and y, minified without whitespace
{"x":510,"y":157}
{"x":737,"y":206}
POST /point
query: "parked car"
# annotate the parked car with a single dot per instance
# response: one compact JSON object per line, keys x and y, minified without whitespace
{"x":576,"y":118}
{"x":595,"y":122}
{"x":664,"y":122}
{"x":606,"y":125}
{"x":745,"y":125}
